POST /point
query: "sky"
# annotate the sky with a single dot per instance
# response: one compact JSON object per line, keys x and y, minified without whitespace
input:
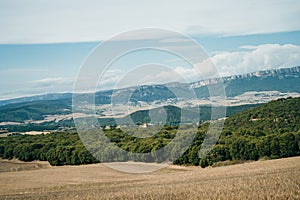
{"x":44,"y":44}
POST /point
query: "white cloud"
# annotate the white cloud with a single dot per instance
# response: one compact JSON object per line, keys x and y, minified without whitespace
{"x":155,"y":74}
{"x":147,"y":74}
{"x":256,"y":58}
{"x":177,"y":74}
{"x":248,"y":59}
{"x":53,"y":82}
{"x":24,"y":88}
{"x":109,"y":79}
{"x":64,"y":21}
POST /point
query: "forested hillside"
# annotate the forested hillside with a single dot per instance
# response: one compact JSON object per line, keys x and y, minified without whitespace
{"x":34,"y":110}
{"x":267,"y":131}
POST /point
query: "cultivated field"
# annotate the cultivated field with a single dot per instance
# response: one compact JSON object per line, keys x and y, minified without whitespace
{"x":272,"y":179}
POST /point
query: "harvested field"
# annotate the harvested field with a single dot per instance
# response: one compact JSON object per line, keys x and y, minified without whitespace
{"x":272,"y":179}
{"x":16,"y":165}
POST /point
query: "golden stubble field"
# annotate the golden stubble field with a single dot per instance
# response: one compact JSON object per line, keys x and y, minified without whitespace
{"x":272,"y":179}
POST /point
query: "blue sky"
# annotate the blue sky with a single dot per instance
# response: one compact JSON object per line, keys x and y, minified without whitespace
{"x":43,"y":44}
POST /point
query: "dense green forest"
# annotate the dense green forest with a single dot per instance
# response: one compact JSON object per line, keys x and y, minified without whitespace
{"x":271,"y":130}
{"x":268,"y":131}
{"x":57,"y":148}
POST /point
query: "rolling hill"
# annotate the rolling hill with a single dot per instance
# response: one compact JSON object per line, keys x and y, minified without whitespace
{"x":268,"y":131}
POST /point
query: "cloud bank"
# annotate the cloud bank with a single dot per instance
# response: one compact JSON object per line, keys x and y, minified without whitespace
{"x":257,"y":58}
{"x":64,"y":21}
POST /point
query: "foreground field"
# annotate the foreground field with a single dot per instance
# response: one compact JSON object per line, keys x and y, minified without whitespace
{"x":272,"y":179}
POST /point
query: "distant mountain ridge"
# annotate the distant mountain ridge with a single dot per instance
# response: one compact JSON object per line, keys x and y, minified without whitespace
{"x":279,"y":73}
{"x":283,"y":80}
{"x":54,"y":96}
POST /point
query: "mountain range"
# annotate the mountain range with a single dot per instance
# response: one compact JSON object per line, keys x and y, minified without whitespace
{"x":240,"y":89}
{"x":282,"y":80}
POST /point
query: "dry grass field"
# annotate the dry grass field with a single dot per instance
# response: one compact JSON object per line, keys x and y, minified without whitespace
{"x":272,"y":179}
